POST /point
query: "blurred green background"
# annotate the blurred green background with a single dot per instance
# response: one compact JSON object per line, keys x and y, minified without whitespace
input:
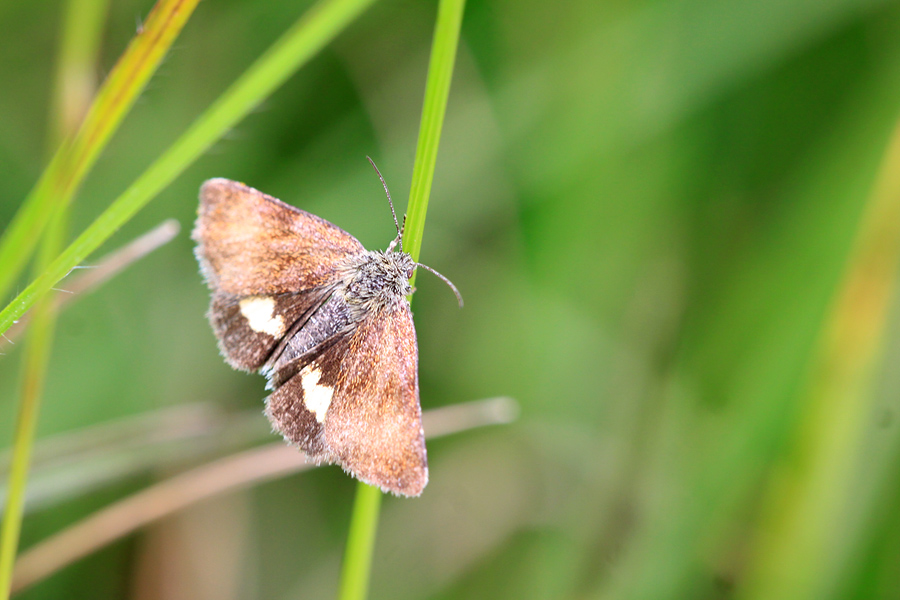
{"x":648,"y":207}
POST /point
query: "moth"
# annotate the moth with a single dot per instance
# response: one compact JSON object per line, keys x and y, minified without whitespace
{"x":329,"y":325}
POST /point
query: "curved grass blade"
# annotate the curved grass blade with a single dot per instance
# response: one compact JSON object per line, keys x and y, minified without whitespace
{"x":75,"y":157}
{"x":304,"y":39}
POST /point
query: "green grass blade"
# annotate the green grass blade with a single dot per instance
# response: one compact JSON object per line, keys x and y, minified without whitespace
{"x":813,"y":486}
{"x":311,"y":32}
{"x":357,"y":565}
{"x":76,"y":156}
{"x":37,"y":354}
{"x":437,"y":90}
{"x":34,"y":374}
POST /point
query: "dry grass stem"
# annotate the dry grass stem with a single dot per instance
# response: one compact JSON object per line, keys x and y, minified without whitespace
{"x":227,"y":474}
{"x":109,"y":266}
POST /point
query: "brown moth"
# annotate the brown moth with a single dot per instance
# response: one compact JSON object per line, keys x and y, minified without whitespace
{"x":327,"y":322}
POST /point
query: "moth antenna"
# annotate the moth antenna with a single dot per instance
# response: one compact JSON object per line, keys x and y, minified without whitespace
{"x":391,"y":202}
{"x":445,"y":280}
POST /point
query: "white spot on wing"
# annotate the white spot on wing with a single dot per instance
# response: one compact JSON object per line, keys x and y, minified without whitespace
{"x":258,"y":312}
{"x":316,"y":397}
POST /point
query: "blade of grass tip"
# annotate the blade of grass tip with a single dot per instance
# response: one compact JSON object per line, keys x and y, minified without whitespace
{"x":810,"y":491}
{"x":319,"y":25}
{"x":357,"y":565}
{"x":75,"y":157}
{"x":233,"y":472}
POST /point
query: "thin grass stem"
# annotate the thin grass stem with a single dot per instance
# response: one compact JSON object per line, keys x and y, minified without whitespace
{"x":356,"y":569}
{"x":227,"y":474}
{"x":34,"y":373}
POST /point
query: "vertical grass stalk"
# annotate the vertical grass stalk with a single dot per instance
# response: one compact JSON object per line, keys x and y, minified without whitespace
{"x":74,"y":90}
{"x":437,"y":90}
{"x":357,"y":565}
{"x":38,"y":347}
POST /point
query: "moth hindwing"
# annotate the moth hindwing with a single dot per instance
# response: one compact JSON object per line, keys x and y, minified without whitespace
{"x":327,"y":322}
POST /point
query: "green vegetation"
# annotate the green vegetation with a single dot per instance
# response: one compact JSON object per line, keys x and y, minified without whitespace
{"x":676,"y":228}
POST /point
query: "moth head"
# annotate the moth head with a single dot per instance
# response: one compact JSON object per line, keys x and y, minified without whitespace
{"x":406,"y":262}
{"x":405,"y":266}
